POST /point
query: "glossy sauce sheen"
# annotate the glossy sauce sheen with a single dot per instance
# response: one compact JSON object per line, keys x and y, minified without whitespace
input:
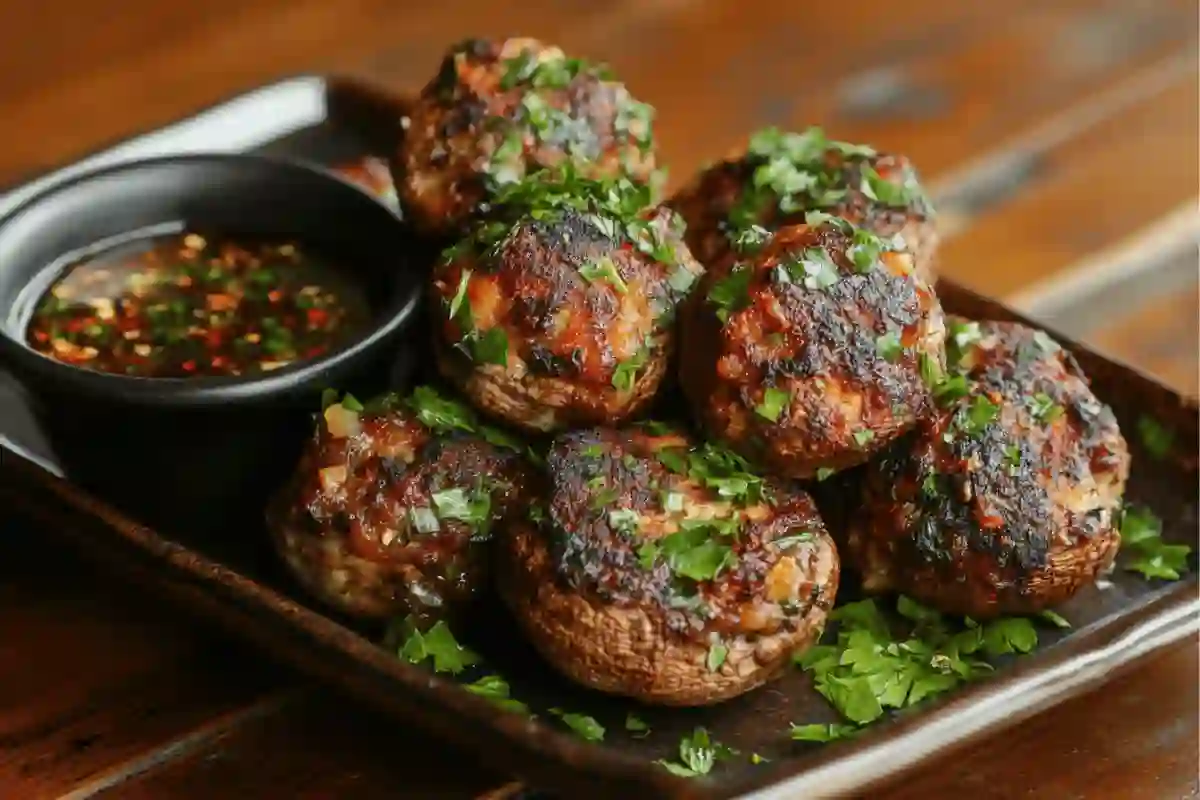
{"x":186,"y":305}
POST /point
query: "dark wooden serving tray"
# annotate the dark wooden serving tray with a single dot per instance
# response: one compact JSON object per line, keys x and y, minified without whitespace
{"x":233,"y":576}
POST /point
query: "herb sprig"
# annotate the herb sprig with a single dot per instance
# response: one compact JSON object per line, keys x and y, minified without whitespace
{"x":1148,"y":554}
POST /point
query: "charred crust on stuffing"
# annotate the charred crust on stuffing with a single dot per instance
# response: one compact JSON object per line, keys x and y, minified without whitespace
{"x":598,"y":561}
{"x":1010,"y":365}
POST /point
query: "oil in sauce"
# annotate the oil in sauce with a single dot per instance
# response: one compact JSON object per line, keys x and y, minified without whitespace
{"x":188,"y":305}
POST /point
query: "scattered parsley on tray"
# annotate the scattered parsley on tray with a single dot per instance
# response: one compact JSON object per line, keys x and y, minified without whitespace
{"x":582,"y":724}
{"x":1148,"y":554}
{"x":697,"y":755}
{"x":869,"y":669}
{"x":1156,"y":438}
{"x":436,"y":644}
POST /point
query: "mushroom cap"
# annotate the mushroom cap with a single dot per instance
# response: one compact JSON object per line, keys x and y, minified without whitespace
{"x":813,"y":353}
{"x":780,"y":177}
{"x":559,"y":311}
{"x":633,"y":581}
{"x":499,"y":109}
{"x":392,"y":505}
{"x":1007,"y":501}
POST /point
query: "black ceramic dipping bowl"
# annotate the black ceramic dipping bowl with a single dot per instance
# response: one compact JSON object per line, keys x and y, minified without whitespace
{"x":201,"y":453}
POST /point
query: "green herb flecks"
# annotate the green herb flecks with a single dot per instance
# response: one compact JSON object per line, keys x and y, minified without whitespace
{"x":437,"y":644}
{"x":604,"y":270}
{"x":1145,"y":551}
{"x":625,"y":375}
{"x":697,"y":755}
{"x":870,"y":670}
{"x":731,"y":293}
{"x":636,"y":725}
{"x":822,"y":733}
{"x":1156,"y":437}
{"x":717,"y":653}
{"x":585,"y":727}
{"x":497,"y":690}
{"x":773,"y":403}
{"x":473,"y":508}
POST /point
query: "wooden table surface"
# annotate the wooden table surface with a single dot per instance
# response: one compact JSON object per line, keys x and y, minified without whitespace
{"x":1060,"y":139}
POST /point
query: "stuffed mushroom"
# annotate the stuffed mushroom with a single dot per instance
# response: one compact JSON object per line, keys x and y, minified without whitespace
{"x":559,"y":310}
{"x":1005,"y":502}
{"x":782,"y":176}
{"x":664,"y":571}
{"x":502,"y":108}
{"x":812,"y":353}
{"x":392,"y":506}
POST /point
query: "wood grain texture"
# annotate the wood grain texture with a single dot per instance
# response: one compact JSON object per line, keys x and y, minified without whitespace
{"x":91,"y":674}
{"x":108,"y":694}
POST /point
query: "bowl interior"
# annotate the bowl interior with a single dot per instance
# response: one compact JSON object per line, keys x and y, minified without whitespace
{"x":224,"y":194}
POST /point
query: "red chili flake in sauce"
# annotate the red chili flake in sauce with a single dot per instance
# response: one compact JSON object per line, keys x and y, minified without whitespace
{"x":186,"y":305}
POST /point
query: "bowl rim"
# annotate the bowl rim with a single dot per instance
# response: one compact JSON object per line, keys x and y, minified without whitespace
{"x":20,"y":360}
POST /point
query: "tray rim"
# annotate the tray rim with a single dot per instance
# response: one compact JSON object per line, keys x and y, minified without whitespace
{"x":1156,"y":619}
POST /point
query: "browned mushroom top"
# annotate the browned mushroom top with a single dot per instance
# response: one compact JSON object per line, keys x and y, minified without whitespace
{"x":1021,"y":461}
{"x":641,"y":516}
{"x":404,"y":479}
{"x":499,"y":109}
{"x":784,"y":175}
{"x":569,"y":277}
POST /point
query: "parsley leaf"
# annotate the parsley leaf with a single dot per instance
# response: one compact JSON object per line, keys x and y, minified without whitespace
{"x":625,"y":375}
{"x":490,"y":347}
{"x":717,"y":651}
{"x":1054,"y":618}
{"x":1141,"y":541}
{"x":870,"y":670}
{"x":605,"y":270}
{"x":888,"y":346}
{"x":496,"y":689}
{"x":773,"y":403}
{"x":731,"y":292}
{"x":1156,"y":438}
{"x":440,"y":414}
{"x":473,"y":508}
{"x":821,"y":733}
{"x":635,"y":724}
{"x":582,"y":724}
{"x":697,"y":755}
{"x":438,"y":644}
{"x":863,"y":437}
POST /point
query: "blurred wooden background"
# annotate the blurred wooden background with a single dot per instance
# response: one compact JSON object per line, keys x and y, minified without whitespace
{"x":1060,"y":140}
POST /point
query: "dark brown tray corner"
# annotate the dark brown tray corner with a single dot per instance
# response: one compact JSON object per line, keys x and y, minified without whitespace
{"x":236,"y":582}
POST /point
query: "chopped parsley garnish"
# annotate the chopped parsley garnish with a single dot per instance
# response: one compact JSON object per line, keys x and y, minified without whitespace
{"x":474,"y":508}
{"x":888,"y":346}
{"x":977,"y":415}
{"x":784,"y":542}
{"x":1143,"y":545}
{"x":695,"y":553}
{"x":625,"y":375}
{"x":822,"y":733}
{"x":490,"y":347}
{"x":635,"y":724}
{"x":732,"y":292}
{"x":440,"y":414}
{"x":1044,"y":409}
{"x":879,"y":188}
{"x":960,"y":336}
{"x":717,"y":652}
{"x":460,"y":295}
{"x":424,"y":519}
{"x":697,"y":755}
{"x":614,"y":205}
{"x":586,"y":727}
{"x":773,"y":403}
{"x":1054,"y":618}
{"x":1156,"y":438}
{"x":624,"y":520}
{"x":951,"y":389}
{"x":863,"y":437}
{"x":437,"y":644}
{"x":931,"y":370}
{"x":496,"y":689}
{"x":869,"y":669}
{"x":825,"y":472}
{"x":605,"y":270}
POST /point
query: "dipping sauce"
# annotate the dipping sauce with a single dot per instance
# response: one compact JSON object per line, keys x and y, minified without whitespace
{"x":186,"y":305}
